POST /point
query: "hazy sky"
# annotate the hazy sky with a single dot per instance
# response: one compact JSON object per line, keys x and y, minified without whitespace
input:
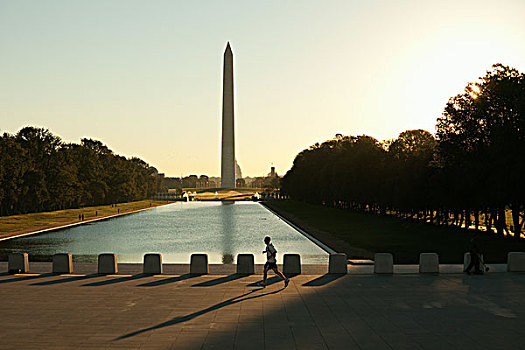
{"x":144,"y":77}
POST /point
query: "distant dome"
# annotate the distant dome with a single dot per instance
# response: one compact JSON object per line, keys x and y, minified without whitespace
{"x":238,"y":172}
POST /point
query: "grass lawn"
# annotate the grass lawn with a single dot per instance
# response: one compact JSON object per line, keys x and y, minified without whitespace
{"x":404,"y":239}
{"x":36,"y":221}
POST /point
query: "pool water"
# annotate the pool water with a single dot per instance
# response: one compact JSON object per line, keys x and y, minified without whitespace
{"x":176,"y":230}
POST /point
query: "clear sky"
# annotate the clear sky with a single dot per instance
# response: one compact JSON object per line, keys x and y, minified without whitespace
{"x":144,"y":77}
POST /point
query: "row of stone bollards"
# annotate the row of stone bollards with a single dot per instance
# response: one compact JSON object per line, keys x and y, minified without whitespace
{"x":107,"y":263}
{"x":429,"y":262}
{"x":383,"y":263}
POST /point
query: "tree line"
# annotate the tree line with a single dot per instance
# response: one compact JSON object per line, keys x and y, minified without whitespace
{"x":471,"y":173}
{"x":40,"y":172}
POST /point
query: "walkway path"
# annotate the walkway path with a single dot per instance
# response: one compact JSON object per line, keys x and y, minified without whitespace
{"x":409,"y":311}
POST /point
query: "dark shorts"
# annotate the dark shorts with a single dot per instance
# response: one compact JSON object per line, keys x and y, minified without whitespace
{"x":270,"y":265}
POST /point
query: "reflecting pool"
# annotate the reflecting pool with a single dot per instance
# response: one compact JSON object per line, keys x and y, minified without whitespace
{"x":176,"y":230}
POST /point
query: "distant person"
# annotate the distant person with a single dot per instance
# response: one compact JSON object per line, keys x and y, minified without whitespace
{"x":271,"y":263}
{"x":118,"y":211}
{"x":79,"y":217}
{"x":475,"y":255}
{"x":82,"y":216}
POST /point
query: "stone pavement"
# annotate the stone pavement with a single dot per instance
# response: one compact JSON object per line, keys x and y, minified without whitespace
{"x":405,"y":311}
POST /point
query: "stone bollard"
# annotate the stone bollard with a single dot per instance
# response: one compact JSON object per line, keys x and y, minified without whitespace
{"x":466,"y":260}
{"x":337,"y":263}
{"x":18,"y":263}
{"x":292,"y":264}
{"x":107,"y":264}
{"x":152,"y":264}
{"x":245,"y":264}
{"x":63,"y":263}
{"x":516,"y":262}
{"x":428,"y":263}
{"x":199,"y":264}
{"x":383,"y":263}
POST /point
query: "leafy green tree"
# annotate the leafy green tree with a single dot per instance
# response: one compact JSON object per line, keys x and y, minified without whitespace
{"x":410,"y":160}
{"x":473,"y":168}
{"x":482,"y":132}
{"x":39,"y":172}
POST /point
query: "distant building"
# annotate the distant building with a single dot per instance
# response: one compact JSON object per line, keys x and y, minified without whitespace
{"x":272,"y":180}
{"x":256,"y":182}
{"x":203,"y":182}
{"x":215,"y":182}
{"x":238,"y":172}
{"x":172,"y":182}
{"x":190,"y":181}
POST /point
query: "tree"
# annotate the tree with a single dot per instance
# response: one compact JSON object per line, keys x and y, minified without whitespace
{"x":474,"y":167}
{"x":39,"y":172}
{"x":482,"y":131}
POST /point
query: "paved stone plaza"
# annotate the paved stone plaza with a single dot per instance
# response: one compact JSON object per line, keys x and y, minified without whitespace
{"x":355,"y":311}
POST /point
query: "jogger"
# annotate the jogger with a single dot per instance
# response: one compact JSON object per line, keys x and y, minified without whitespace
{"x":271,"y":263}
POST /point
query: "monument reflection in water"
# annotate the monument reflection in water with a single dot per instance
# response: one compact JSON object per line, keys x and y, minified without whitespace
{"x":176,"y":230}
{"x":228,"y":226}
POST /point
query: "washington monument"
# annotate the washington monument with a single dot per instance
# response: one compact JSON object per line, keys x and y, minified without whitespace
{"x":228,"y":134}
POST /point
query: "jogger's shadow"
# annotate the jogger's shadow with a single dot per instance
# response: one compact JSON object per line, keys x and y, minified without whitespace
{"x":269,"y":281}
{"x":272,"y":280}
{"x":179,"y":319}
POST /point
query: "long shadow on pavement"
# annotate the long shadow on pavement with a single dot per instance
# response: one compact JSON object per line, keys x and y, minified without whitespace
{"x":162,"y":281}
{"x":271,"y":280}
{"x":65,"y":280}
{"x":339,"y":316}
{"x":221,"y":280}
{"x":114,"y":280}
{"x":322,"y":280}
{"x":179,"y":319}
{"x":25,"y":278}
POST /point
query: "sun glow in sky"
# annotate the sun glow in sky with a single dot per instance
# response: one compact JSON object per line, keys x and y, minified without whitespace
{"x":145,"y":77}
